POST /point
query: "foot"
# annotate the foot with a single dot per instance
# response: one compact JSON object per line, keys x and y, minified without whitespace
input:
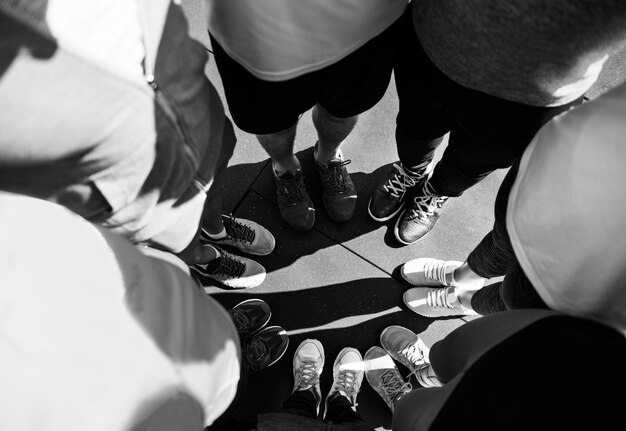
{"x":234,"y":272}
{"x":294,"y":203}
{"x":383,"y":376}
{"x":436,"y":273}
{"x":245,"y":235}
{"x":433,"y":302}
{"x":339,"y":194}
{"x":250,"y":316}
{"x":265,"y":348}
{"x":391,"y":193}
{"x":420,"y":217}
{"x":405,"y":347}
{"x":308,"y":363}
{"x":348,"y":373}
{"x":427,"y":378}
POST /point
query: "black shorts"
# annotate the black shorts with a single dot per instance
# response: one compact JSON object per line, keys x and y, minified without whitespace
{"x":346,"y":88}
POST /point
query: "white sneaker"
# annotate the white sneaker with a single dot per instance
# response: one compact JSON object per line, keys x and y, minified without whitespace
{"x":430,"y":302}
{"x":348,"y":373}
{"x":434,"y":272}
{"x":245,"y":235}
{"x":308,"y":363}
{"x":232,"y":271}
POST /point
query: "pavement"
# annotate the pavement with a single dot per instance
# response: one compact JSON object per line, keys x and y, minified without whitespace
{"x":339,"y":282}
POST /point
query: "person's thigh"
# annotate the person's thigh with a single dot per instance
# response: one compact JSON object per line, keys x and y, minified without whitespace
{"x":263,"y":107}
{"x":359,"y":81}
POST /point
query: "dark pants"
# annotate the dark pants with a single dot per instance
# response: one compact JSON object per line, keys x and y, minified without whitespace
{"x":303,"y":403}
{"x":486,"y":132}
{"x":494,"y":257}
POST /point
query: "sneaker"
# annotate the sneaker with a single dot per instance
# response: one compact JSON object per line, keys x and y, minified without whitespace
{"x":265,"y":348}
{"x":348,"y":372}
{"x":339,"y":194}
{"x":405,"y":347}
{"x":420,"y":217}
{"x":250,"y":316}
{"x":433,"y":272}
{"x":383,"y":376}
{"x":245,"y":235}
{"x":308,"y":363}
{"x":390,"y":195}
{"x":294,"y":203}
{"x":432,"y":302}
{"x":234,"y":272}
{"x":427,"y":378}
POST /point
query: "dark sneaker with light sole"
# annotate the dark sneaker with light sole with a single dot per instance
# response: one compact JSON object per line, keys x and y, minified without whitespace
{"x":338,"y":191}
{"x":245,"y":235}
{"x":250,"y":316}
{"x":228,"y":270}
{"x":265,"y":348}
{"x":405,"y":347}
{"x":294,"y":203}
{"x":420,"y":217}
{"x":392,"y":192}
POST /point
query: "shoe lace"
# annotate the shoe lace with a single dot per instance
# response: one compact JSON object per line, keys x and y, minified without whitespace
{"x":229,"y":266}
{"x":400,"y":181}
{"x":392,"y":385}
{"x":415,"y":357}
{"x":241,"y":319}
{"x":306,"y":375}
{"x":436,"y":271}
{"x":345,"y":382}
{"x":239,"y":231}
{"x":292,"y":188}
{"x":438,"y":298}
{"x":427,"y":203}
{"x":333,"y":176}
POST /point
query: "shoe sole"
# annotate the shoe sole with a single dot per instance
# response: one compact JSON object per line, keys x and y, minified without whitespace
{"x":383,"y":219}
{"x":264,"y":324}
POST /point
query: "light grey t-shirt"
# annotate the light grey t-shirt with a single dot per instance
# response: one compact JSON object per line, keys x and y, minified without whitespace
{"x":537,"y":52}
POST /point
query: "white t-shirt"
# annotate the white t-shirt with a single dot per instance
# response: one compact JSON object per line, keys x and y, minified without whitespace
{"x":567,"y":210}
{"x":277,"y":40}
{"x":95,"y":335}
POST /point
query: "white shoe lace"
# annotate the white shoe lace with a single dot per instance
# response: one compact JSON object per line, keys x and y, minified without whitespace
{"x":306,"y":375}
{"x":438,"y":298}
{"x":414,"y":356}
{"x":427,"y":203}
{"x":346,"y":382}
{"x":400,"y":181}
{"x":436,"y":271}
{"x":392,"y":386}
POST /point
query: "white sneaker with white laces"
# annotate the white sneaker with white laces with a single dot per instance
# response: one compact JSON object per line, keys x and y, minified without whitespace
{"x":434,"y":272}
{"x":308,"y":363}
{"x":432,"y":302}
{"x":348,"y":373}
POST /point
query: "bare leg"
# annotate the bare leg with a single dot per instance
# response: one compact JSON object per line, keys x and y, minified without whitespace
{"x":331,"y":131}
{"x":279,"y":146}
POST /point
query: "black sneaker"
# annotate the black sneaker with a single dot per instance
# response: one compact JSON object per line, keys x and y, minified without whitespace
{"x":264,"y":348}
{"x":338,"y":192}
{"x":231,"y":271}
{"x":420,"y":217}
{"x":391,"y":193}
{"x":250,"y":316}
{"x":294,"y":203}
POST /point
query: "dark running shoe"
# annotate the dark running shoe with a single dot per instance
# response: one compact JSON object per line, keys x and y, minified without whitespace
{"x":294,"y":203}
{"x":338,"y":192}
{"x":232,"y":271}
{"x":265,"y":348}
{"x":250,"y":316}
{"x":392,"y":192}
{"x":420,"y":217}
{"x":245,"y":235}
